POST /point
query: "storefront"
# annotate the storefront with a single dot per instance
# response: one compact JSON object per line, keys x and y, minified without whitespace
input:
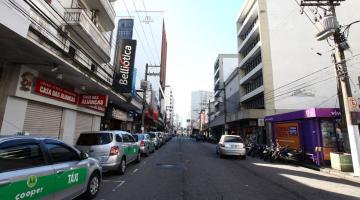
{"x":117,"y":118}
{"x":41,"y":105}
{"x":314,"y":130}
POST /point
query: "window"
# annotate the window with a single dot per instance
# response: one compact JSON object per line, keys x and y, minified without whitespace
{"x":21,"y":156}
{"x":118,"y":138}
{"x":132,"y":138}
{"x":233,"y":139}
{"x":90,"y":139}
{"x":126,"y":138}
{"x":60,"y":153}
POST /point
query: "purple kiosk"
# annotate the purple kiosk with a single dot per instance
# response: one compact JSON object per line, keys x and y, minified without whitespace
{"x":313,"y":130}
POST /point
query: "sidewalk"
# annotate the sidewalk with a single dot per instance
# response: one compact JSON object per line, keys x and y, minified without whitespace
{"x":344,"y":175}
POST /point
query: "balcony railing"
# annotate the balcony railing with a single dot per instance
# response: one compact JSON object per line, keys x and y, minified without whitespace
{"x":95,"y":41}
{"x":106,"y":12}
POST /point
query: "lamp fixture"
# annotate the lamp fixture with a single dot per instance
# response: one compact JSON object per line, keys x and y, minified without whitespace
{"x":59,"y":76}
{"x":55,"y":68}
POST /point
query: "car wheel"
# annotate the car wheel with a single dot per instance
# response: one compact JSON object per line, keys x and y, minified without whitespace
{"x":92,"y":187}
{"x":217,"y":151}
{"x":122,"y":166}
{"x":138,"y":158}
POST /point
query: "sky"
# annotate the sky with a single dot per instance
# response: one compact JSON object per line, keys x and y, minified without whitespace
{"x":197,"y":31}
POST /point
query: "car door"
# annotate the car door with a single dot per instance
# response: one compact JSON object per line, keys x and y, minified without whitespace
{"x":71,"y":173}
{"x":24,"y":171}
{"x":127,"y":147}
{"x":135,"y":148}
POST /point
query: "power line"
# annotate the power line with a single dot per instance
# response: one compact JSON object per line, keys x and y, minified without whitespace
{"x":303,"y":87}
{"x":302,"y":9}
{"x":142,"y":28}
{"x":137,"y":33}
{"x":152,"y":35}
{"x":308,"y":75}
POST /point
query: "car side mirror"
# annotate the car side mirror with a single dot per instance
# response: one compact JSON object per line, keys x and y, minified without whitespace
{"x":84,"y":156}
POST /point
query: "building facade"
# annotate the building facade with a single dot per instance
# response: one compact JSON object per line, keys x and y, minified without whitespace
{"x":169,"y":106}
{"x":56,"y":79}
{"x":280,"y":62}
{"x":223,"y":67}
{"x":125,"y":28}
{"x":199,"y":102}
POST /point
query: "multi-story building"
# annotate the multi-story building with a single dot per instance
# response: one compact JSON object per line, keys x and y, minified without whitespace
{"x":223,"y":67}
{"x":199,"y":102}
{"x":124,"y":31}
{"x":55,"y":73}
{"x":280,"y":62}
{"x":169,"y":105}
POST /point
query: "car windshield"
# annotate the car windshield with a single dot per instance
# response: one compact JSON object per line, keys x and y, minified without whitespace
{"x":139,"y":137}
{"x":89,"y":139}
{"x":152,"y":135}
{"x":233,"y":139}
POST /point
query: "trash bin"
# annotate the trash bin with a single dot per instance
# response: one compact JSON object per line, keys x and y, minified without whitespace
{"x":341,"y":161}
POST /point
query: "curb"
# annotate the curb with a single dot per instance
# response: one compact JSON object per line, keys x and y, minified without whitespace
{"x":339,"y":174}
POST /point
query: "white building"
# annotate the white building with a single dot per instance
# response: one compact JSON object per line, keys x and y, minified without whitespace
{"x":276,"y":47}
{"x":223,"y":67}
{"x":169,"y":104}
{"x":52,"y":53}
{"x":199,"y":101}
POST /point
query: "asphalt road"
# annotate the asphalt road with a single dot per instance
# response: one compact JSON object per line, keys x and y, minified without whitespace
{"x":184,"y":170}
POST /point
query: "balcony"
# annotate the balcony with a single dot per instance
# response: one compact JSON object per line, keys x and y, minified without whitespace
{"x":106,"y":13}
{"x":253,"y":14}
{"x":253,"y":93}
{"x":256,"y":49}
{"x":81,"y":24}
{"x":253,"y":73}
{"x":251,"y":36}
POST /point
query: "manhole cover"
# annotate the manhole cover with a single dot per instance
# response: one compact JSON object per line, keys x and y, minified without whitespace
{"x":164,"y":165}
{"x":171,"y":166}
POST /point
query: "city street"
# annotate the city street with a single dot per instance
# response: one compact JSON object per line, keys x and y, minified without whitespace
{"x":186,"y":169}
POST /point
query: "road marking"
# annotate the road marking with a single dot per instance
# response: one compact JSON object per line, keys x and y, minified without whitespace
{"x":135,"y":170}
{"x":119,"y":185}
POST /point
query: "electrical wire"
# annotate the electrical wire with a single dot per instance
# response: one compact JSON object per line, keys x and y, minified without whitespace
{"x":137,"y":33}
{"x":151,"y":31}
{"x":142,"y":28}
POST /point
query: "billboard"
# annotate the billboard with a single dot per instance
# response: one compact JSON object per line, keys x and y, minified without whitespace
{"x":123,"y":76}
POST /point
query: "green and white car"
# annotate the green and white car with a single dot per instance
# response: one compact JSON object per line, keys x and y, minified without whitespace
{"x":113,"y":149}
{"x":42,"y":168}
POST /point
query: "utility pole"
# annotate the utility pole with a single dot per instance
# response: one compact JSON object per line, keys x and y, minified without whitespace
{"x":226,"y":127}
{"x":144,"y":93}
{"x":343,"y":80}
{"x":144,"y":101}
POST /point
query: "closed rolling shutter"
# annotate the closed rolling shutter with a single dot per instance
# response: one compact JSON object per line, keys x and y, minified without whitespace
{"x":42,"y":119}
{"x":84,"y":122}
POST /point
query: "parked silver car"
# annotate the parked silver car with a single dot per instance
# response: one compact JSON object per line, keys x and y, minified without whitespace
{"x":113,"y":149}
{"x":43,"y":168}
{"x":144,"y":141}
{"x":231,"y":145}
{"x":154,"y":136}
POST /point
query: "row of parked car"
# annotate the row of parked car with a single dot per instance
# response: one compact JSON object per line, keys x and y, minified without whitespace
{"x":45,"y":168}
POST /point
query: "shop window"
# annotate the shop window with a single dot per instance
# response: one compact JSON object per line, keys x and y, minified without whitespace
{"x":329,"y":138}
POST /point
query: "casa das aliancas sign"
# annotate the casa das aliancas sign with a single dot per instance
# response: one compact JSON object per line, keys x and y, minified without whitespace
{"x":123,"y":77}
